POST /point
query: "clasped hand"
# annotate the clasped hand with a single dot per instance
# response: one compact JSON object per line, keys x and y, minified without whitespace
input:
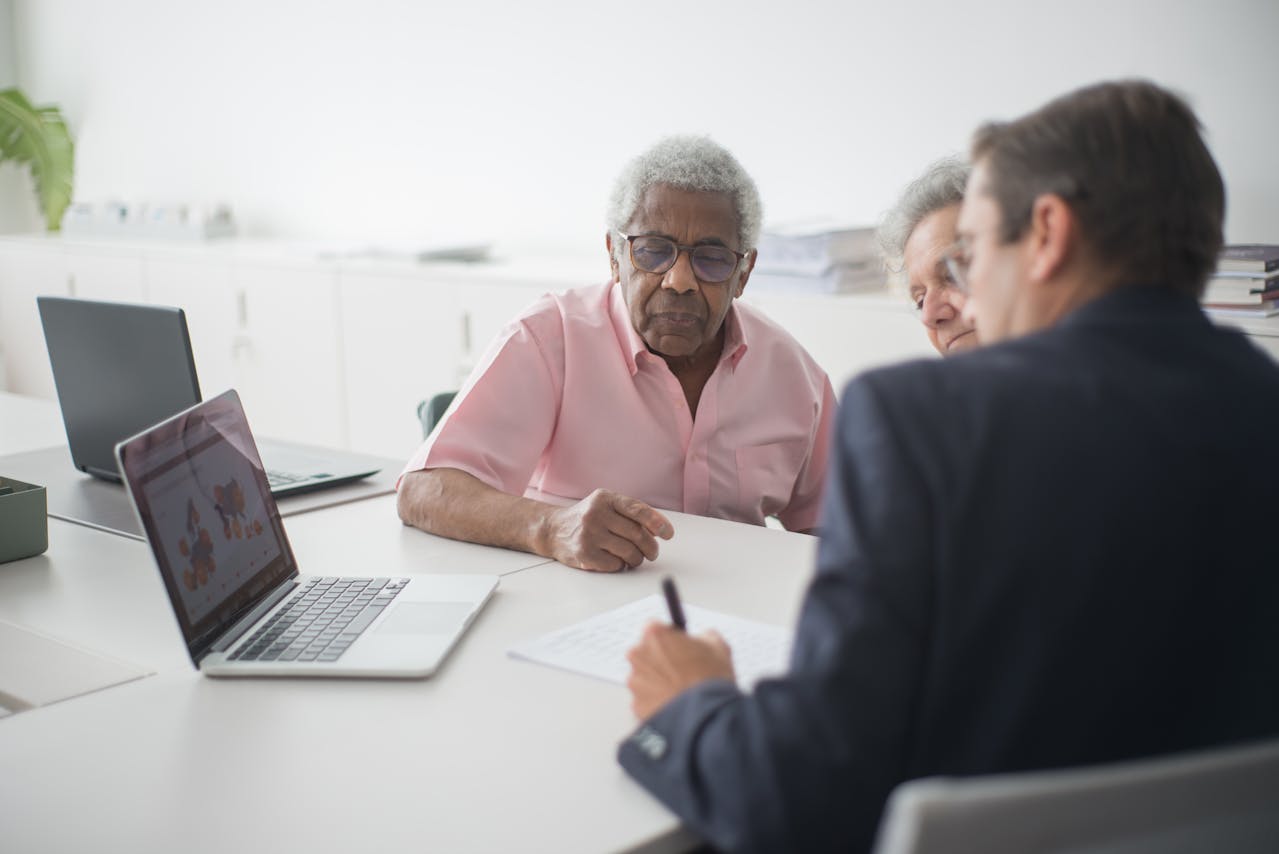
{"x":606,"y":532}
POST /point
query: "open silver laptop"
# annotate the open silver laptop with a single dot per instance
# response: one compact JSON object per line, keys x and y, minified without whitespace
{"x":200,"y":492}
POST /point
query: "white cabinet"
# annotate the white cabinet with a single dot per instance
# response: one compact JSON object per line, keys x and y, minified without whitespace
{"x":47,"y":267}
{"x":848,"y":334}
{"x":26,"y":272}
{"x":487,"y":309}
{"x":411,"y":332}
{"x":201,"y":287}
{"x":267,"y":329}
{"x":402,"y":339}
{"x":104,"y":273}
{"x":287,"y":360}
{"x":339,"y":353}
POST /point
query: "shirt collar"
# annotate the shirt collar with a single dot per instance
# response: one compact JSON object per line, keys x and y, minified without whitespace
{"x":1136,"y":302}
{"x":633,"y":347}
{"x":628,"y":339}
{"x":735,"y":344}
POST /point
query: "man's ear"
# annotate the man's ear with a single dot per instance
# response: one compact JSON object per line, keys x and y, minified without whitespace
{"x":1054,"y":231}
{"x":749,"y":263}
{"x":612,"y":259}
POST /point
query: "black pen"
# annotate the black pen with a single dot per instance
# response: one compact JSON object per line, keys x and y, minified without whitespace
{"x":672,"y":603}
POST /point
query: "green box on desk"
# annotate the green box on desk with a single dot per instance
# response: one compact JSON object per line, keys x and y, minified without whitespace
{"x":24,"y":520}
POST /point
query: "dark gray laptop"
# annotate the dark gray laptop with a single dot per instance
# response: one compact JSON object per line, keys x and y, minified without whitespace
{"x":121,"y":367}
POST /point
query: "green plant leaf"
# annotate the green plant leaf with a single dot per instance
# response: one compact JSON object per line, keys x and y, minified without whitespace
{"x":37,"y":137}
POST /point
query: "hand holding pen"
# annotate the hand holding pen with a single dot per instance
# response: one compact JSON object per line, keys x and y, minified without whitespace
{"x":668,"y":661}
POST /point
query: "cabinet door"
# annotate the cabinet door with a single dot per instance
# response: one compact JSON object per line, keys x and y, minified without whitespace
{"x":26,"y":272}
{"x":203,"y":289}
{"x":486,"y":309}
{"x":402,"y":341}
{"x":287,"y":356}
{"x":113,"y":275}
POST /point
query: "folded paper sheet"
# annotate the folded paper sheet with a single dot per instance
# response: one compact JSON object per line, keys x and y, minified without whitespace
{"x":36,"y":670}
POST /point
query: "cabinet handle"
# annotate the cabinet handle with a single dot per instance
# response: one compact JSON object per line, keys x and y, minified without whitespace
{"x":71,"y":285}
{"x":242,"y":308}
{"x":242,"y":343}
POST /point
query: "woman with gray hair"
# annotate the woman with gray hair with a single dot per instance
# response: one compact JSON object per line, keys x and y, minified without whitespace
{"x":914,"y":238}
{"x":598,"y":407}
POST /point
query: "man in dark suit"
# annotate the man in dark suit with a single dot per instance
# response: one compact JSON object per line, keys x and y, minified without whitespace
{"x":1056,"y":550}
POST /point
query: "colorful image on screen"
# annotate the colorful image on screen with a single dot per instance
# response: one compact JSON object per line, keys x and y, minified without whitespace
{"x":212,"y":525}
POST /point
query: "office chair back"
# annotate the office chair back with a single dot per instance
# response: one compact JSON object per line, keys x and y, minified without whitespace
{"x":1225,"y":800}
{"x":430,"y":411}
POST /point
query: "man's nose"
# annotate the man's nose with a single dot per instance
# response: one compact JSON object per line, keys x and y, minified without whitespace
{"x":680,"y":277}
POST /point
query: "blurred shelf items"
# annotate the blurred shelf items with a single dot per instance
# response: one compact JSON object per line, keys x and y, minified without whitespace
{"x":144,"y":221}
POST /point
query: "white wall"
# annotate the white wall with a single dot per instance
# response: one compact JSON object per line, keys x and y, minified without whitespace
{"x":18,"y":209}
{"x":404,"y":121}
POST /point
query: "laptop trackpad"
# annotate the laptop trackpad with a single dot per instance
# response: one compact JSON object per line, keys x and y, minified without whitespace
{"x":426,"y":618}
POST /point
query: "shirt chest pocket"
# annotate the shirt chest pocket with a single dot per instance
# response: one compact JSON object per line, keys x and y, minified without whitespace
{"x":766,"y":474}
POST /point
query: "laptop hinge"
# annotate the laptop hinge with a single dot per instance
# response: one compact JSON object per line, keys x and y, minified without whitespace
{"x":242,"y":625}
{"x":104,"y":474}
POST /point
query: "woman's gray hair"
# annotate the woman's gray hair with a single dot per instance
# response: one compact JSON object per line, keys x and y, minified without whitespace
{"x":941,"y":186}
{"x":689,"y":163}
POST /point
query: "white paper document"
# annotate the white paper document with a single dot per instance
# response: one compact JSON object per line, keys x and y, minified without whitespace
{"x":36,"y":670}
{"x":597,"y":646}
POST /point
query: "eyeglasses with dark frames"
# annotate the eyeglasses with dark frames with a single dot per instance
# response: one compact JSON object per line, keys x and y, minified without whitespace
{"x":711,"y":264}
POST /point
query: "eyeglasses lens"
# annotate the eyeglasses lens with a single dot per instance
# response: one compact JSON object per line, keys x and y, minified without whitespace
{"x":657,"y":255}
{"x":653,"y":254}
{"x":958,"y":272}
{"x":713,"y":264}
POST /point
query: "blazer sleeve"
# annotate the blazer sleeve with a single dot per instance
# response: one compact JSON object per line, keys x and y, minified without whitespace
{"x":807,"y":761}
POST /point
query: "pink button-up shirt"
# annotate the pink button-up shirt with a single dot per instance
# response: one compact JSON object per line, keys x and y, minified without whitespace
{"x":569,"y":399}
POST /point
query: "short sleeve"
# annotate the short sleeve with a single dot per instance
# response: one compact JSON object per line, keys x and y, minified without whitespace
{"x":503,"y":418}
{"x":804,"y":510}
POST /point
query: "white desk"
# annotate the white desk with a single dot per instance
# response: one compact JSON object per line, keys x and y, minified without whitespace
{"x":31,"y":428}
{"x":492,"y":754}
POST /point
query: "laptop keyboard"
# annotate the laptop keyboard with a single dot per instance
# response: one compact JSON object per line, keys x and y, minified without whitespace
{"x":321,"y":621}
{"x":275,"y":479}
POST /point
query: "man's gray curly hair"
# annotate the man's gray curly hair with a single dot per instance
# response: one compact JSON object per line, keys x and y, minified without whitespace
{"x":941,"y":186}
{"x":689,"y":163}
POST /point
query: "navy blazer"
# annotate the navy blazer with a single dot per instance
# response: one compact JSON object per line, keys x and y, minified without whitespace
{"x":1055,"y":551}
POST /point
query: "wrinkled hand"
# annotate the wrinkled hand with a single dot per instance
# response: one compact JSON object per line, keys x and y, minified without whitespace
{"x":605,"y":532}
{"x":666,"y":662}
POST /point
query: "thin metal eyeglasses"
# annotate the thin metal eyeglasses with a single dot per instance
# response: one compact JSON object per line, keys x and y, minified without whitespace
{"x":711,"y":264}
{"x":958,"y":259}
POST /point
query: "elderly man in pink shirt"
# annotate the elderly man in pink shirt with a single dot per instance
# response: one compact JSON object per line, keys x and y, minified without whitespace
{"x":598,"y":406}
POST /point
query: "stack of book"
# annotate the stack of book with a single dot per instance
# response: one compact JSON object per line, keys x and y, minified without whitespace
{"x":1246,"y":283}
{"x":816,"y":260}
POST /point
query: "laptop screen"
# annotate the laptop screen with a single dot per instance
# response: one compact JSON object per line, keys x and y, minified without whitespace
{"x":118,"y":368}
{"x":202,"y":496}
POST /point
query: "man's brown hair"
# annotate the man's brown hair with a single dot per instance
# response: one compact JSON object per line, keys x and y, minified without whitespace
{"x":1129,"y":159}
